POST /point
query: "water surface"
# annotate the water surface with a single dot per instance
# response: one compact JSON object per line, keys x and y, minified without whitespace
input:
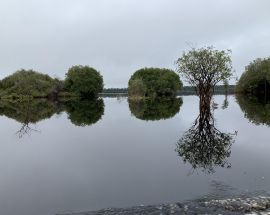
{"x":70,"y":157}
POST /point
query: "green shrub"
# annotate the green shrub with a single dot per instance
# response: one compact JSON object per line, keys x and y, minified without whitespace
{"x":29,"y":83}
{"x":256,"y":78}
{"x":153,"y":82}
{"x":84,"y":81}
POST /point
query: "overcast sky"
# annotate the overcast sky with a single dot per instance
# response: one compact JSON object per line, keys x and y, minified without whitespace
{"x":117,"y":37}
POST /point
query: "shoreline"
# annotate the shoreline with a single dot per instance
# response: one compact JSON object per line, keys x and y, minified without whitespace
{"x":229,"y":206}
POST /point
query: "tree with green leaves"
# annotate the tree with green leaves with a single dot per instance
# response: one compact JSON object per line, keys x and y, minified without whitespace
{"x":203,"y":68}
{"x":84,"y":81}
{"x":154,"y":82}
{"x":255,"y":80}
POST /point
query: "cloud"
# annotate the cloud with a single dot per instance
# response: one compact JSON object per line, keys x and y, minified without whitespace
{"x":119,"y":36}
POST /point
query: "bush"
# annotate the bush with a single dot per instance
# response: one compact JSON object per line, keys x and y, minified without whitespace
{"x":29,"y":83}
{"x":256,"y":79}
{"x":152,"y":82}
{"x":84,"y":81}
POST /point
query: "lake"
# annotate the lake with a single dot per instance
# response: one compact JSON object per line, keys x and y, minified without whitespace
{"x":84,"y":156}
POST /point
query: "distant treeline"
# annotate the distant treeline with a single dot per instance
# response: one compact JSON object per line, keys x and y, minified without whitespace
{"x":186,"y":90}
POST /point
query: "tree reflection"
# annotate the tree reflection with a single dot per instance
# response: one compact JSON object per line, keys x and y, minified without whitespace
{"x":84,"y":112}
{"x":256,"y":109}
{"x":27,"y":112}
{"x":155,"y":109}
{"x":203,"y":145}
{"x":225,"y":104}
{"x":30,"y":112}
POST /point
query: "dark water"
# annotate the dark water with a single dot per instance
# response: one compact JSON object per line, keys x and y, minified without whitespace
{"x":81,"y":156}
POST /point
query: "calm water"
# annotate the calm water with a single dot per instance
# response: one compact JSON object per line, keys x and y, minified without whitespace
{"x":70,"y":157}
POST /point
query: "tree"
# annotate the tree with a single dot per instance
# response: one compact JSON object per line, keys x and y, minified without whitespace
{"x":84,"y":81}
{"x":204,"y":146}
{"x":29,"y":83}
{"x":226,"y":86}
{"x":154,"y":82}
{"x":205,"y":67}
{"x":255,"y":80}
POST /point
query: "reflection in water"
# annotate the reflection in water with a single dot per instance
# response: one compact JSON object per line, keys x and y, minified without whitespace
{"x":27,"y":112}
{"x":225,"y":104}
{"x":256,"y":111}
{"x":84,"y":112}
{"x":81,"y":113}
{"x":203,"y":145}
{"x":155,"y":109}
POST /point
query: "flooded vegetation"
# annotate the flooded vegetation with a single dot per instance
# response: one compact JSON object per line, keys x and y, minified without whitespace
{"x":109,"y":155}
{"x":135,"y":107}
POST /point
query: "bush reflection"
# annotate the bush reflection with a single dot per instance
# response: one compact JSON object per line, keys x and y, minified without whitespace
{"x":155,"y":109}
{"x":29,"y":112}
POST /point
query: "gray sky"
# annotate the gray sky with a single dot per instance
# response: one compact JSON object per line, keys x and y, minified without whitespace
{"x":117,"y":37}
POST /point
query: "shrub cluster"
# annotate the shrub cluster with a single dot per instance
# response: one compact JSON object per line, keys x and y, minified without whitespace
{"x":256,"y":78}
{"x":80,"y":81}
{"x":84,"y":81}
{"x":154,"y":82}
{"x":29,"y":83}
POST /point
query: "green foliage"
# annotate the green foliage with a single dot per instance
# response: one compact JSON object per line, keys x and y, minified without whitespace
{"x":137,"y":88}
{"x":205,"y":67}
{"x":84,"y":112}
{"x":256,"y":111}
{"x":155,"y":109}
{"x":84,"y":81}
{"x":30,"y":84}
{"x":256,"y":78}
{"x":152,"y":82}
